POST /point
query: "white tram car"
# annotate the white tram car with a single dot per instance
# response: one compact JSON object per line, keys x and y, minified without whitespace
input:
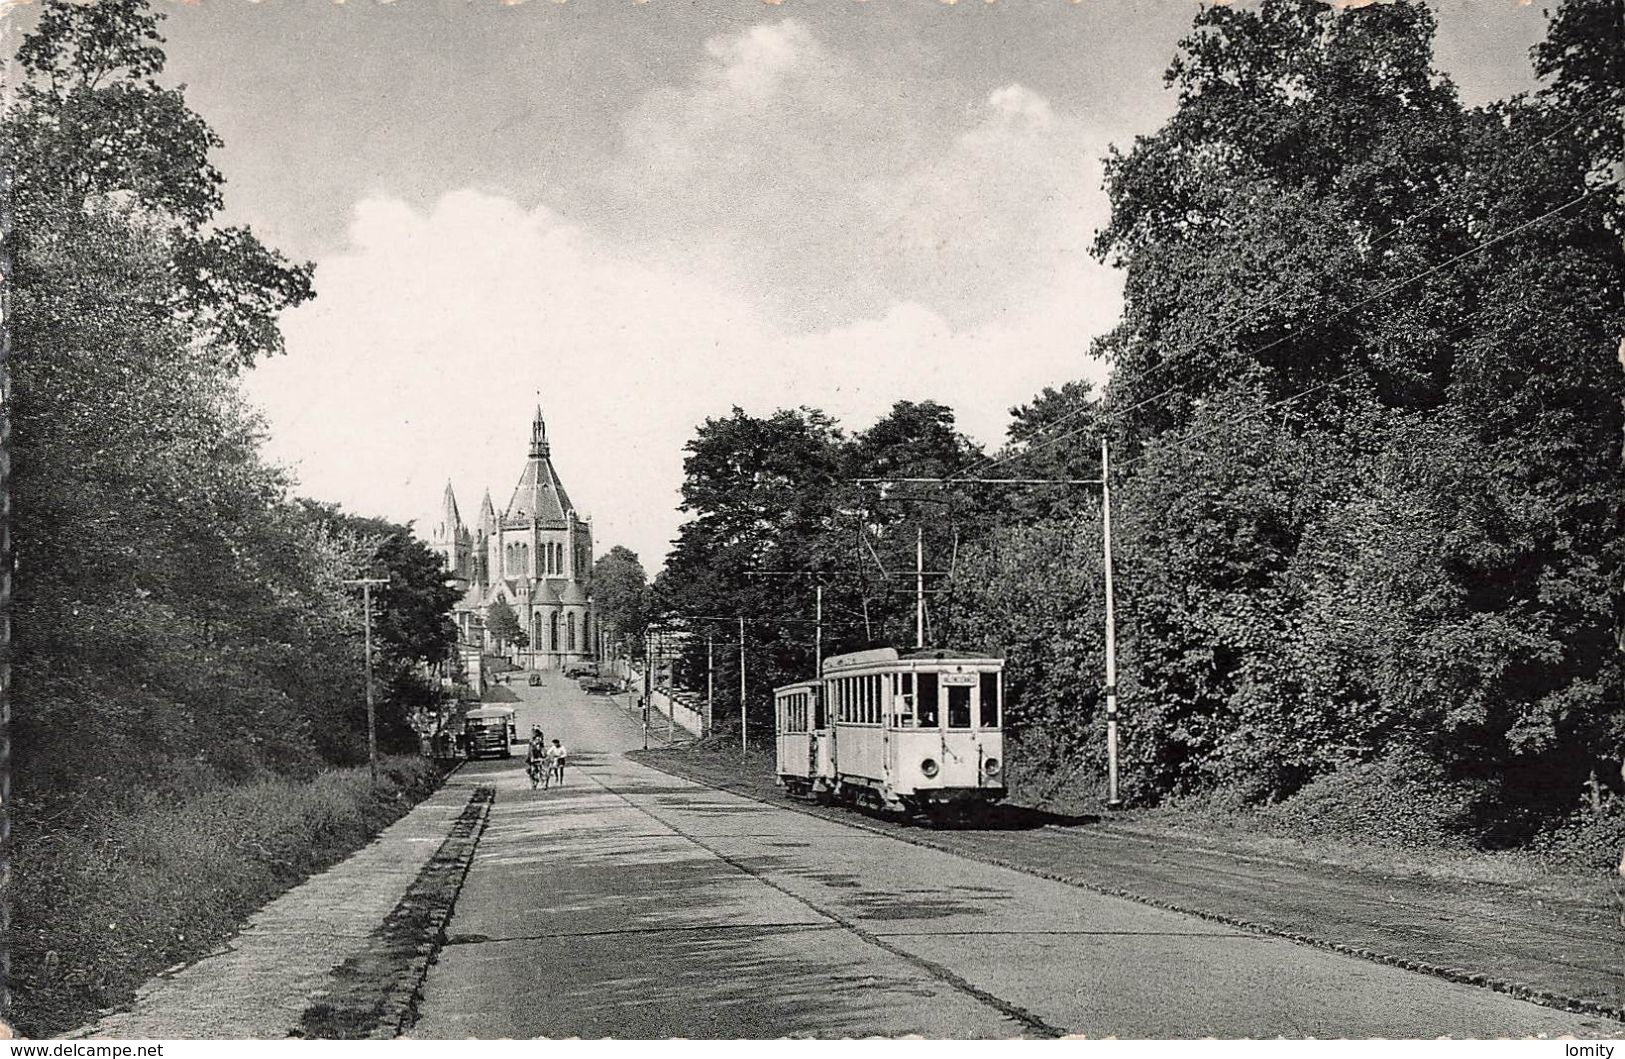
{"x":915,"y":732}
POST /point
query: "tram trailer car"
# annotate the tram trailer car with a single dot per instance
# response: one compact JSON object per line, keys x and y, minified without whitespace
{"x":917,"y":732}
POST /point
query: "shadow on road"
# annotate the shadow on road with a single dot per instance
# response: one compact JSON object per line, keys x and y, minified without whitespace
{"x":1015,"y":818}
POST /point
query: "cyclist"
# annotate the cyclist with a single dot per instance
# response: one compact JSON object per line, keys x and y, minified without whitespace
{"x":537,"y":759}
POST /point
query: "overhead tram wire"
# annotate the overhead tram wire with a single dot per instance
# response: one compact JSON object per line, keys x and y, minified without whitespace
{"x":1362,"y":303}
{"x":1175,"y":443}
{"x":1202,"y":347}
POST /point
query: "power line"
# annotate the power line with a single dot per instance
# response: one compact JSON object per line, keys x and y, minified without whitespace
{"x":1179,"y":439}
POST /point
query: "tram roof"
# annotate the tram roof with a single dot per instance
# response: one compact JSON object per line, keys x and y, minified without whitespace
{"x":884,"y":655}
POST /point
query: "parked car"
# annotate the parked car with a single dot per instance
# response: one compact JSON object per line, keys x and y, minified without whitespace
{"x":534,"y":680}
{"x":580,"y":669}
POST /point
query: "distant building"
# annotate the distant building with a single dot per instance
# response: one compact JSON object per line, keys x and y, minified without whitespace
{"x":536,"y":557}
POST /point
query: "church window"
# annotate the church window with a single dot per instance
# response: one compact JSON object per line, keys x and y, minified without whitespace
{"x":570,"y":628}
{"x":553,"y":634}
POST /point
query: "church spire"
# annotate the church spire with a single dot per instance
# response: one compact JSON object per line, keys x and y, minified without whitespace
{"x":453,"y":519}
{"x":538,"y":436}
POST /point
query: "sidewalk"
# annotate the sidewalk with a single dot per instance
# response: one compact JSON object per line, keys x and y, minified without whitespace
{"x":1564,"y":950}
{"x":260,"y":984}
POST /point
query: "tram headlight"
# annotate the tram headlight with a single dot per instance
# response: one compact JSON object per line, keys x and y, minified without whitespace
{"x":929,"y":767}
{"x":992,"y":766}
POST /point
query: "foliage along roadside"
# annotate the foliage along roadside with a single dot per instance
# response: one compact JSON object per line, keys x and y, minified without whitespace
{"x":101,"y":908}
{"x":179,"y":620}
{"x":1366,"y":421}
{"x":186,"y":658}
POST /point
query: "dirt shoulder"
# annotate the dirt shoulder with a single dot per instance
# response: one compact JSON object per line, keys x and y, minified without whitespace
{"x":1557,"y":941}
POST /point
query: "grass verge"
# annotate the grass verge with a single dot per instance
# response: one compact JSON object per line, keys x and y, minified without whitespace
{"x":102,"y":905}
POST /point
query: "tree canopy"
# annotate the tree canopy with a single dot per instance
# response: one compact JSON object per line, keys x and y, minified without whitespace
{"x":1365,"y":421}
{"x":179,"y":618}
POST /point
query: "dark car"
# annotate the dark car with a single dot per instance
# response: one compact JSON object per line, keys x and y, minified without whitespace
{"x":534,"y":680}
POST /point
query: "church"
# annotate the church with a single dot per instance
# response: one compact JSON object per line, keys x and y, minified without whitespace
{"x":536,"y":557}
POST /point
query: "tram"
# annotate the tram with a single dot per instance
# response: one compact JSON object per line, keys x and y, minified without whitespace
{"x":916,"y":732}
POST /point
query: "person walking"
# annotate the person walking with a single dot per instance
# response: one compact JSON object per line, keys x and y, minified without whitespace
{"x":556,"y":756}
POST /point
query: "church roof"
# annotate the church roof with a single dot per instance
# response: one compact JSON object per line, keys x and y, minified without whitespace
{"x":540,"y":495}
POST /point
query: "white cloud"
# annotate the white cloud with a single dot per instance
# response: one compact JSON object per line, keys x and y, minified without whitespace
{"x":830,"y":190}
{"x":941,"y":263}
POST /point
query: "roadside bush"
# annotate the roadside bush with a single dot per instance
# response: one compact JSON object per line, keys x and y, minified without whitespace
{"x":100,"y":908}
{"x":1403,"y":800}
{"x":1587,"y":841}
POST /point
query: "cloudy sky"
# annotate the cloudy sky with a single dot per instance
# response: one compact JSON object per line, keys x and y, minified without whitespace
{"x":642,"y":214}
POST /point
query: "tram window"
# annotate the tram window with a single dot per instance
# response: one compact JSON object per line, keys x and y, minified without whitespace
{"x":818,"y":710}
{"x":926,"y":708}
{"x":990,"y":700}
{"x":958,"y":706}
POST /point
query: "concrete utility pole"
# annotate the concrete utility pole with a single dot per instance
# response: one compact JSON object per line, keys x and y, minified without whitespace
{"x":818,"y":638}
{"x":919,"y":586}
{"x":671,"y":703}
{"x":366,"y":584}
{"x":648,"y":686}
{"x":1112,"y":799}
{"x":744,"y":725}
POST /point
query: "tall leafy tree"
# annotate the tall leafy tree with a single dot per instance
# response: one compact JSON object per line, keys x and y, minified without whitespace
{"x":503,"y":624}
{"x":760,"y":496}
{"x":620,"y":592}
{"x":1365,"y":408}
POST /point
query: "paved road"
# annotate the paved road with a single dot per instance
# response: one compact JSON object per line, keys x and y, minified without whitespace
{"x":633,"y":904}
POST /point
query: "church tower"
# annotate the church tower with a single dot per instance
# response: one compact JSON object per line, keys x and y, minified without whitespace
{"x":452,"y":540}
{"x":536,"y":556}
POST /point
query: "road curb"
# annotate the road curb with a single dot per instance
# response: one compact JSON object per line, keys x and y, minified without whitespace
{"x":375,"y":993}
{"x":1463,"y":976}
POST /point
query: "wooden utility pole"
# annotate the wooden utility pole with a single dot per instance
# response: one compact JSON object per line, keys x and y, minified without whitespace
{"x":366,"y":584}
{"x":1112,"y":799}
{"x":671,"y":703}
{"x":710,"y":675}
{"x":744,"y":724}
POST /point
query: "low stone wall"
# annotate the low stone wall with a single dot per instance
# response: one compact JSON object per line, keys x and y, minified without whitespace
{"x":690,"y":720}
